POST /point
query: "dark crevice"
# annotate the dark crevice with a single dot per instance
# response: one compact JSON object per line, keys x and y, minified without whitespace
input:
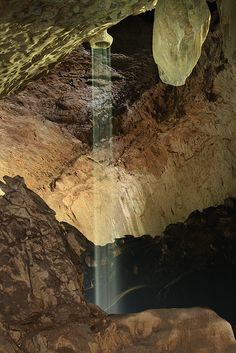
{"x":191,"y":264}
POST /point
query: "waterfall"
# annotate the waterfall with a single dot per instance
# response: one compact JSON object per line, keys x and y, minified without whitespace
{"x":105,"y":288}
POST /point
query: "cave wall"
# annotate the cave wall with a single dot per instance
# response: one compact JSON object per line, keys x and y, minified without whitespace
{"x":184,"y":161}
{"x":42,"y":303}
{"x":158,"y":178}
{"x":35,"y":35}
{"x":227,"y":10}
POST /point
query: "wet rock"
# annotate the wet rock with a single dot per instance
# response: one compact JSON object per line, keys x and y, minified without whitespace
{"x":171,"y":143}
{"x":67,"y":96}
{"x":180,"y":29}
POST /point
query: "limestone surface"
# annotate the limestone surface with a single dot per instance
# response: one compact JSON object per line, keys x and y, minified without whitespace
{"x":36,"y":34}
{"x":33,"y":258}
{"x":180,"y":29}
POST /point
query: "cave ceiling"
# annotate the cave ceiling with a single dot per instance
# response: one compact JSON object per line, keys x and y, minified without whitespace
{"x":34,"y":35}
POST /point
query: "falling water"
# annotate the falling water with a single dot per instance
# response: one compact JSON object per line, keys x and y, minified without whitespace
{"x":106,"y":284}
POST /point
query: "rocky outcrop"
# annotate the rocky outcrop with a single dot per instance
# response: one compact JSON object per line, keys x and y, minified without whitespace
{"x":42,"y":305}
{"x":36,"y":34}
{"x":180,"y":29}
{"x":152,"y":331}
{"x":40,"y":279}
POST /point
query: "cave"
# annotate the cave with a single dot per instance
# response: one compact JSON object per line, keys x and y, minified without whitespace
{"x":118,"y":176}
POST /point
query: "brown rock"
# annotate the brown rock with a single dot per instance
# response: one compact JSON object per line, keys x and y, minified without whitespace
{"x":42,"y":306}
{"x":154,"y":331}
{"x":187,"y":148}
{"x":38,"y":275}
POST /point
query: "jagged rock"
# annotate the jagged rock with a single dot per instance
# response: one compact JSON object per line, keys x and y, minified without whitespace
{"x":67,"y":96}
{"x":154,"y":331}
{"x":227,"y":10}
{"x":42,"y":306}
{"x":40,"y":282}
{"x":37,"y":34}
{"x":180,"y":29}
{"x":160,"y":176}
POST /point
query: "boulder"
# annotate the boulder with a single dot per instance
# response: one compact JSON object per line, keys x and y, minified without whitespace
{"x":154,"y":331}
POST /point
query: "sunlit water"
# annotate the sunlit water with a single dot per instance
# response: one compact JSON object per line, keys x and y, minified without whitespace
{"x":103,"y":153}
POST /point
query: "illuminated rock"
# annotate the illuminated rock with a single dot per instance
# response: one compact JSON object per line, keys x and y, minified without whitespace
{"x":180,"y":28}
{"x":37,"y":35}
{"x":176,"y":153}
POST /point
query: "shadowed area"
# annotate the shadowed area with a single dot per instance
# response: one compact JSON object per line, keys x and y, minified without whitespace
{"x":190,"y":264}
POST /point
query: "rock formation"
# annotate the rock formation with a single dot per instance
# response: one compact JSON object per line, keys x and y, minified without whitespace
{"x":172,"y":152}
{"x":180,"y":29}
{"x":42,"y":304}
{"x":37,"y":34}
{"x":184,"y":161}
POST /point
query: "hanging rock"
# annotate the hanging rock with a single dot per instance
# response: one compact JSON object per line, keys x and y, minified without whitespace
{"x":227,"y":10}
{"x":180,"y":29}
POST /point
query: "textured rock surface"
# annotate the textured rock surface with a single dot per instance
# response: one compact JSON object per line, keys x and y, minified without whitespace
{"x":42,"y":306}
{"x":180,"y":28}
{"x":66,"y":94}
{"x":161,"y":176}
{"x":37,"y":271}
{"x":155,"y":331}
{"x":227,"y":10}
{"x":184,"y":161}
{"x":36,"y":34}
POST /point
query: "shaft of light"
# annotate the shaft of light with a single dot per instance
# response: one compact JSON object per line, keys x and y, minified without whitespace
{"x":106,"y":278}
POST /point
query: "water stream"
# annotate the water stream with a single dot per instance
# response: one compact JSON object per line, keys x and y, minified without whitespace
{"x":102,"y":155}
